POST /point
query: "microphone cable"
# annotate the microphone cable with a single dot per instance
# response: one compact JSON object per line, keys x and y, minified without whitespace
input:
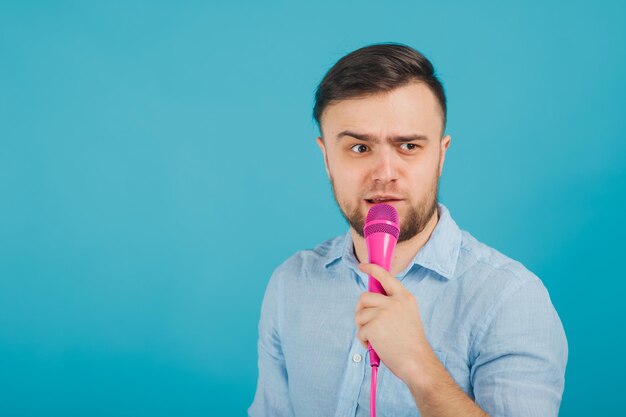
{"x":373,"y":391}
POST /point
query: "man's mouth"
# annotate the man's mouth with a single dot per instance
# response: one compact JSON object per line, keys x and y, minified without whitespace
{"x":380,"y":200}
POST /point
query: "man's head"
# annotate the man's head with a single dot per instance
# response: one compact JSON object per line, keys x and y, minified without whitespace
{"x":382,"y":114}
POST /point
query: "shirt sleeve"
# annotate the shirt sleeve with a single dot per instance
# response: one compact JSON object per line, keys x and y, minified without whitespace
{"x":272,"y":394}
{"x":520,"y":356}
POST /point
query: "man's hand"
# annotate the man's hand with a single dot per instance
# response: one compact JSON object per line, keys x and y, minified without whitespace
{"x":392,"y":324}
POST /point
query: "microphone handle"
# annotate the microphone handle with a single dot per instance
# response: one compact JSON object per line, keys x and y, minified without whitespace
{"x":374,"y":286}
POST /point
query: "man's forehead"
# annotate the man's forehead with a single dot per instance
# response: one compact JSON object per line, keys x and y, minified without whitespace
{"x":376,"y":133}
{"x":409,"y":110}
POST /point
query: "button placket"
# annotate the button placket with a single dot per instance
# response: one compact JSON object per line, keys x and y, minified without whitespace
{"x":354,"y":378}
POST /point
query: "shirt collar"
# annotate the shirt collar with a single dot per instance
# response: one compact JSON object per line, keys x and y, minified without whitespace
{"x":439,"y":254}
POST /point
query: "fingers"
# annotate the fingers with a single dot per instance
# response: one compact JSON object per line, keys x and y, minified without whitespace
{"x":370,"y":299}
{"x":364,"y":316}
{"x":360,"y":334}
{"x":367,"y":309}
{"x":390,"y":283}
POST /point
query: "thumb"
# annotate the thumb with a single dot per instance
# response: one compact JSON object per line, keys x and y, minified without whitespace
{"x":390,"y":283}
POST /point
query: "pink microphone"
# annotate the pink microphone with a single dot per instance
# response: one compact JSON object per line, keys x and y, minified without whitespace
{"x":381,"y":232}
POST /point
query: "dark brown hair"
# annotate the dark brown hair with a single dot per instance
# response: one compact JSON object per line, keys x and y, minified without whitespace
{"x":375,"y":69}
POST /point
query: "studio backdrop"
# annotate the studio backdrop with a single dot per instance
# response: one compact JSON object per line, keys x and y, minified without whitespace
{"x":158,"y":162}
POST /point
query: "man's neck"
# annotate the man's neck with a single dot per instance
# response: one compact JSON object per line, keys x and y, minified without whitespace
{"x":404,"y":251}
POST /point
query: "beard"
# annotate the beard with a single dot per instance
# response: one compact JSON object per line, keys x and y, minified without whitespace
{"x":411,"y":224}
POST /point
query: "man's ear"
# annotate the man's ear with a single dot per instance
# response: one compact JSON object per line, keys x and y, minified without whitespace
{"x":445,"y":142}
{"x":320,"y":143}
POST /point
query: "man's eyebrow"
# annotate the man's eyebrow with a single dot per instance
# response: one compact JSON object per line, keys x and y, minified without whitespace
{"x":370,"y":138}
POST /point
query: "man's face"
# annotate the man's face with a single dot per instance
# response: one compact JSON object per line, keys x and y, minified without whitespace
{"x":386,"y":145}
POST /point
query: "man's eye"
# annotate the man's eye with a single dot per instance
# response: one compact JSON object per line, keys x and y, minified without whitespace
{"x":359,"y":148}
{"x":411,"y":146}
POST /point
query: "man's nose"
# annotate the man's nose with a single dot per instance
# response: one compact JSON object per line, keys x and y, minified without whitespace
{"x":385,"y":166}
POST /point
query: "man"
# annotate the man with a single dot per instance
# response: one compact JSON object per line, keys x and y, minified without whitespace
{"x":463,"y":330}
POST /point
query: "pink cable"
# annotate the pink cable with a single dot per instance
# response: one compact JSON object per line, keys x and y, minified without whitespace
{"x":373,"y":392}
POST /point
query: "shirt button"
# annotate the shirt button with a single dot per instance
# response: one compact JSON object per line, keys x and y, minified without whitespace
{"x":356,"y":358}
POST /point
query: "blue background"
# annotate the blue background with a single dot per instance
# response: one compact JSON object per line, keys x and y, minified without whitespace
{"x":149,"y":151}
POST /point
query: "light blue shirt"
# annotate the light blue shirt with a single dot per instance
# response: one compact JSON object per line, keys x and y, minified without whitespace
{"x":489,"y":320}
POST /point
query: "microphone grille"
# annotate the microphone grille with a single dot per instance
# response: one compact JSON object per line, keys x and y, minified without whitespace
{"x":381,"y":227}
{"x":382,"y":212}
{"x":377,"y":216}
